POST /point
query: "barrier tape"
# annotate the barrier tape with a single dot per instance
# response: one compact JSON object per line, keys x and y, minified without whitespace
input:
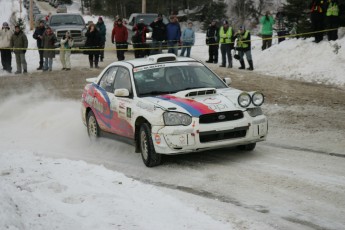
{"x":163,"y":47}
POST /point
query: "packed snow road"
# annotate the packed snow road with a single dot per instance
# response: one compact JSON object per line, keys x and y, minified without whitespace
{"x":295,"y":180}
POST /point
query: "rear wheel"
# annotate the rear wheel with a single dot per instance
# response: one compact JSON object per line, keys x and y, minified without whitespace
{"x":249,"y":147}
{"x":148,"y":153}
{"x":92,"y":126}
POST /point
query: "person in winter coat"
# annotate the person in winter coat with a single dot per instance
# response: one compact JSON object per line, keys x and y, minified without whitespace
{"x":139,"y":39}
{"x":280,"y":25}
{"x":65,"y":51}
{"x":38,"y":34}
{"x":119,"y":36}
{"x":173,"y":34}
{"x":226,"y":40}
{"x":267,"y":23}
{"x":188,"y":39}
{"x":332,"y":19}
{"x":244,"y":47}
{"x":5,"y":43}
{"x":19,"y":43}
{"x":48,"y":42}
{"x":158,"y":34}
{"x":102,"y":31}
{"x":318,"y":12}
{"x":212,"y":40}
{"x":93,"y":41}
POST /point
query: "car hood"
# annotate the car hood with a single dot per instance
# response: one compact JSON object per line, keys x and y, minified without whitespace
{"x":214,"y":101}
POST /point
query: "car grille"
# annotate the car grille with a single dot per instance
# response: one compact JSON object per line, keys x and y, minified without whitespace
{"x":74,"y":33}
{"x":220,"y":117}
{"x":222,"y":135}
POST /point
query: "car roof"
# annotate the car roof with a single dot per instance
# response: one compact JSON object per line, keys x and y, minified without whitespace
{"x":158,"y":59}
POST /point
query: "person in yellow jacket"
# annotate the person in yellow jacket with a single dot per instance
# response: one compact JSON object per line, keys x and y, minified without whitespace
{"x":226,"y":41}
{"x":332,"y":19}
{"x":243,"y":46}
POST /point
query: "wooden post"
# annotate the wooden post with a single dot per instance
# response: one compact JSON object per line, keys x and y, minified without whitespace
{"x":143,"y":6}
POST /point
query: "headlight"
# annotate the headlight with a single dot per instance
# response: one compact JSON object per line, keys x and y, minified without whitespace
{"x":258,"y":98}
{"x":173,"y":118}
{"x":244,"y":99}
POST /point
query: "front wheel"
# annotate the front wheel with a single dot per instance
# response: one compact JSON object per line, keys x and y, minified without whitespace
{"x":249,"y":147}
{"x":92,"y":126}
{"x":148,"y":153}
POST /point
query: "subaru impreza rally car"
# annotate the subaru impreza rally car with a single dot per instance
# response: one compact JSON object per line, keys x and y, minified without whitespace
{"x":165,"y":104}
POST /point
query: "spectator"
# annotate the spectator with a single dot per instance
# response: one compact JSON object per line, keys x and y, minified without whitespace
{"x":158,"y":34}
{"x":19,"y":42}
{"x":48,"y":42}
{"x":119,"y":36}
{"x":173,"y":34}
{"x":48,"y":16}
{"x":318,"y":9}
{"x":226,"y":43}
{"x":93,"y":44}
{"x":38,"y":34}
{"x":103,"y":31}
{"x":139,"y":39}
{"x":244,"y":47}
{"x":280,"y":25}
{"x":65,"y":51}
{"x":5,"y":43}
{"x":267,"y":23}
{"x":332,"y":16}
{"x":188,"y":39}
{"x":212,"y":40}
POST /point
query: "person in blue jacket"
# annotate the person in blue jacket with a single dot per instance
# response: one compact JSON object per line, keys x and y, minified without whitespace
{"x":173,"y":34}
{"x":188,"y":39}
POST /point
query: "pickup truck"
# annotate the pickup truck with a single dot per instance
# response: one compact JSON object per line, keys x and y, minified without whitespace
{"x":148,"y":19}
{"x":63,"y":22}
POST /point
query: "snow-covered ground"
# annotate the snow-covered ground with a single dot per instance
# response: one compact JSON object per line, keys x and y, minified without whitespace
{"x":37,"y":192}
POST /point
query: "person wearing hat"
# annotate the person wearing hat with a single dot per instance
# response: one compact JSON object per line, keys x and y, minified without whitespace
{"x":19,"y":43}
{"x":48,"y":42}
{"x":139,"y":39}
{"x":158,"y":34}
{"x":5,"y":42}
{"x":119,"y":35}
{"x":212,"y":40}
{"x":65,"y":50}
{"x":102,"y":31}
{"x":38,"y":34}
{"x":244,"y":47}
{"x":267,"y":23}
{"x":226,"y":37}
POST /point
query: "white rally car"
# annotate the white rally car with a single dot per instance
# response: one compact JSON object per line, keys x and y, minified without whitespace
{"x":165,"y":104}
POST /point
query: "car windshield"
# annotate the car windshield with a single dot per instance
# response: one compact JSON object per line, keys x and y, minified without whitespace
{"x":148,"y":19}
{"x":160,"y":79}
{"x":66,"y":20}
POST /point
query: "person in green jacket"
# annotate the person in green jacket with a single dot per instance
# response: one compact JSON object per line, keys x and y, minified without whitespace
{"x":267,"y":23}
{"x":332,"y":19}
{"x":19,"y":43}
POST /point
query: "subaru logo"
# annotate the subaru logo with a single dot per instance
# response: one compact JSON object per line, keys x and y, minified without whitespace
{"x":221,"y":117}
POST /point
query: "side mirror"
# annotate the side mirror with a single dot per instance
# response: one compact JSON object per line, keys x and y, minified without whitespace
{"x":227,"y":80}
{"x":121,"y":93}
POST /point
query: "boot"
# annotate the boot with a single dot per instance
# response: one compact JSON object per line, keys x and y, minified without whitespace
{"x":251,"y":67}
{"x":209,"y":60}
{"x":243,"y":66}
{"x":91,"y":63}
{"x":230,"y":64}
{"x":96,"y":64}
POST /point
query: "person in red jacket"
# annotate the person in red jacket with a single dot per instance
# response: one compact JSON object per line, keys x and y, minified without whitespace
{"x":139,"y":39}
{"x":119,"y":36}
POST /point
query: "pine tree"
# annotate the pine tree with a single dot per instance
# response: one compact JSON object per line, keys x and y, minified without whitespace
{"x":21,"y":23}
{"x":212,"y":11}
{"x":298,"y":15}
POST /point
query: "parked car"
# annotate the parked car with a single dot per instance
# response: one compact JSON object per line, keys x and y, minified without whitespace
{"x":170,"y":105}
{"x":73,"y":22}
{"x":148,"y":19}
{"x":61,"y":9}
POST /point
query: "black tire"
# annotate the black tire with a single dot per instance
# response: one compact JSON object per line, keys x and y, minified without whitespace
{"x":148,"y":153}
{"x":249,"y":147}
{"x":92,"y":126}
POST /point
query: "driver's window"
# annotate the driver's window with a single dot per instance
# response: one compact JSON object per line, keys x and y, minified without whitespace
{"x":123,"y":80}
{"x":107,"y":81}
